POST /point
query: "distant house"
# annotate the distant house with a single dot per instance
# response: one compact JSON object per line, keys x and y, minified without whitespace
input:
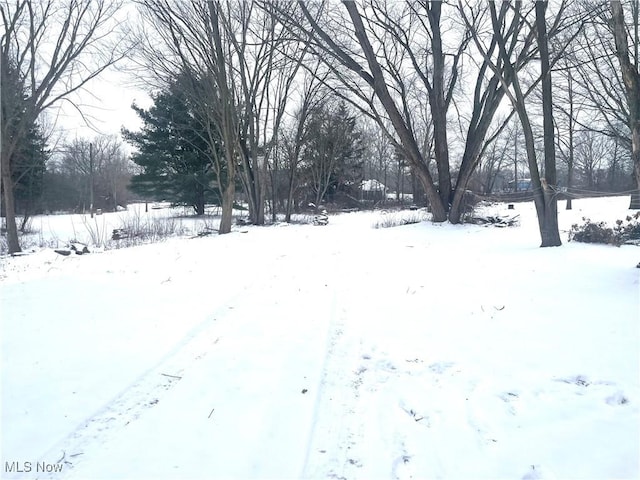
{"x":373,"y":190}
{"x":522,"y":185}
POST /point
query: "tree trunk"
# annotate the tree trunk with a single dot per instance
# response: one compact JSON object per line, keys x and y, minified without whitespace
{"x":229,"y":192}
{"x":439,"y":108}
{"x":468,"y":166}
{"x":543,"y":195}
{"x":199,"y":200}
{"x":290,"y":192}
{"x":549,"y":231}
{"x":274,"y":188}
{"x":227,"y":208}
{"x":571,"y":142}
{"x":13,"y":243}
{"x":228,"y":129}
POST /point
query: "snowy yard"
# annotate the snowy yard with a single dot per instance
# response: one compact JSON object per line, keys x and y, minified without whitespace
{"x":336,"y":352}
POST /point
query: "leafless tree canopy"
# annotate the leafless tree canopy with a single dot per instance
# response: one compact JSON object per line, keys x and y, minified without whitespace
{"x":48,"y":51}
{"x":452,"y":94}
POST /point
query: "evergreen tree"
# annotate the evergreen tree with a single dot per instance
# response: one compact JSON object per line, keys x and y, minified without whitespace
{"x":332,"y":155}
{"x":29,"y":155}
{"x":176,"y":160}
{"x":29,"y":165}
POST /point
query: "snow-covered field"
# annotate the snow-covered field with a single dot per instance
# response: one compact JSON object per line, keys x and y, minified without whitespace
{"x":341,"y":351}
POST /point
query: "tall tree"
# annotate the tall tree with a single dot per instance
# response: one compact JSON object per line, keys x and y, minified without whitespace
{"x":85,"y":165}
{"x":265,"y":63}
{"x":49,"y":49}
{"x":29,"y":156}
{"x":251,"y":65}
{"x":366,"y":65}
{"x":549,"y":210}
{"x":547,"y":216}
{"x":629,"y":65}
{"x":386,"y":51}
{"x":189,"y":38}
{"x":173,"y":152}
{"x":297,"y":132}
{"x":566,"y":130}
{"x":599,"y":84}
{"x":332,"y":155}
{"x":29,"y":164}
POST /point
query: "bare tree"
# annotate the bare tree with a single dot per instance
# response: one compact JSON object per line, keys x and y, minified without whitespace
{"x":495,"y":161}
{"x":629,"y":65}
{"x":544,"y":188}
{"x":297,"y":133}
{"x":343,"y":44}
{"x":566,"y":130}
{"x":50,"y":49}
{"x":264,"y":63}
{"x":97,"y":164}
{"x":380,"y":159}
{"x":188,"y":39}
{"x":242,"y":52}
{"x":333,"y":150}
{"x":549,"y":209}
{"x":598,"y":85}
{"x":383,"y":53}
{"x":591,"y":149}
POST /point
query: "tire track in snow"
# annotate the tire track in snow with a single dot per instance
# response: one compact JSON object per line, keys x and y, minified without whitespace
{"x":329,"y":441}
{"x":149,"y":388}
{"x":346,"y":406}
{"x":373,"y":416}
{"x":333,"y":334}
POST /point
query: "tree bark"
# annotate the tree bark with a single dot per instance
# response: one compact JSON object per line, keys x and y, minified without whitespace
{"x":571,"y":141}
{"x":488,"y":96}
{"x":438,"y":106}
{"x":228,"y":129}
{"x":228,"y":196}
{"x":549,"y":232}
{"x":13,"y":242}
{"x":543,"y":195}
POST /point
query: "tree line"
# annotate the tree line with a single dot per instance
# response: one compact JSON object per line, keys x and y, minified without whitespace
{"x":255,"y":96}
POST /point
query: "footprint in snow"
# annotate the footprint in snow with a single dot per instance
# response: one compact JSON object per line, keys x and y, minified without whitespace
{"x":440,"y":367}
{"x":579,"y":380}
{"x":536,"y":472}
{"x":532,"y":474}
{"x":617,"y":398}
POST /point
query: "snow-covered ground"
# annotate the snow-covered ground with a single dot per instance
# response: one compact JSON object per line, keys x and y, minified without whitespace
{"x":341,"y":351}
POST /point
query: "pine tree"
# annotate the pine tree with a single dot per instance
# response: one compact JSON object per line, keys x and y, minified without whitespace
{"x":332,"y":156}
{"x":176,"y":160}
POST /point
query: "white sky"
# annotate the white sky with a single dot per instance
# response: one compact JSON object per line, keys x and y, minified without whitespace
{"x":106,"y":103}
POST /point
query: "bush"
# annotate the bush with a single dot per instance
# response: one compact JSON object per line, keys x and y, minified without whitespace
{"x":137,"y":231}
{"x":624,"y":231}
{"x":396,"y":219}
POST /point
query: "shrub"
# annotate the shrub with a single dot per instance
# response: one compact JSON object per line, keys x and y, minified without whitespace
{"x":624,"y":231}
{"x":137,"y":231}
{"x":396,"y":219}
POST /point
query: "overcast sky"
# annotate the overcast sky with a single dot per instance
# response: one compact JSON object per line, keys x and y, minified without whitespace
{"x":106,"y":102}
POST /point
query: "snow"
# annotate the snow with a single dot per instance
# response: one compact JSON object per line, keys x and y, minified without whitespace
{"x":338,"y":351}
{"x":372,"y":185}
